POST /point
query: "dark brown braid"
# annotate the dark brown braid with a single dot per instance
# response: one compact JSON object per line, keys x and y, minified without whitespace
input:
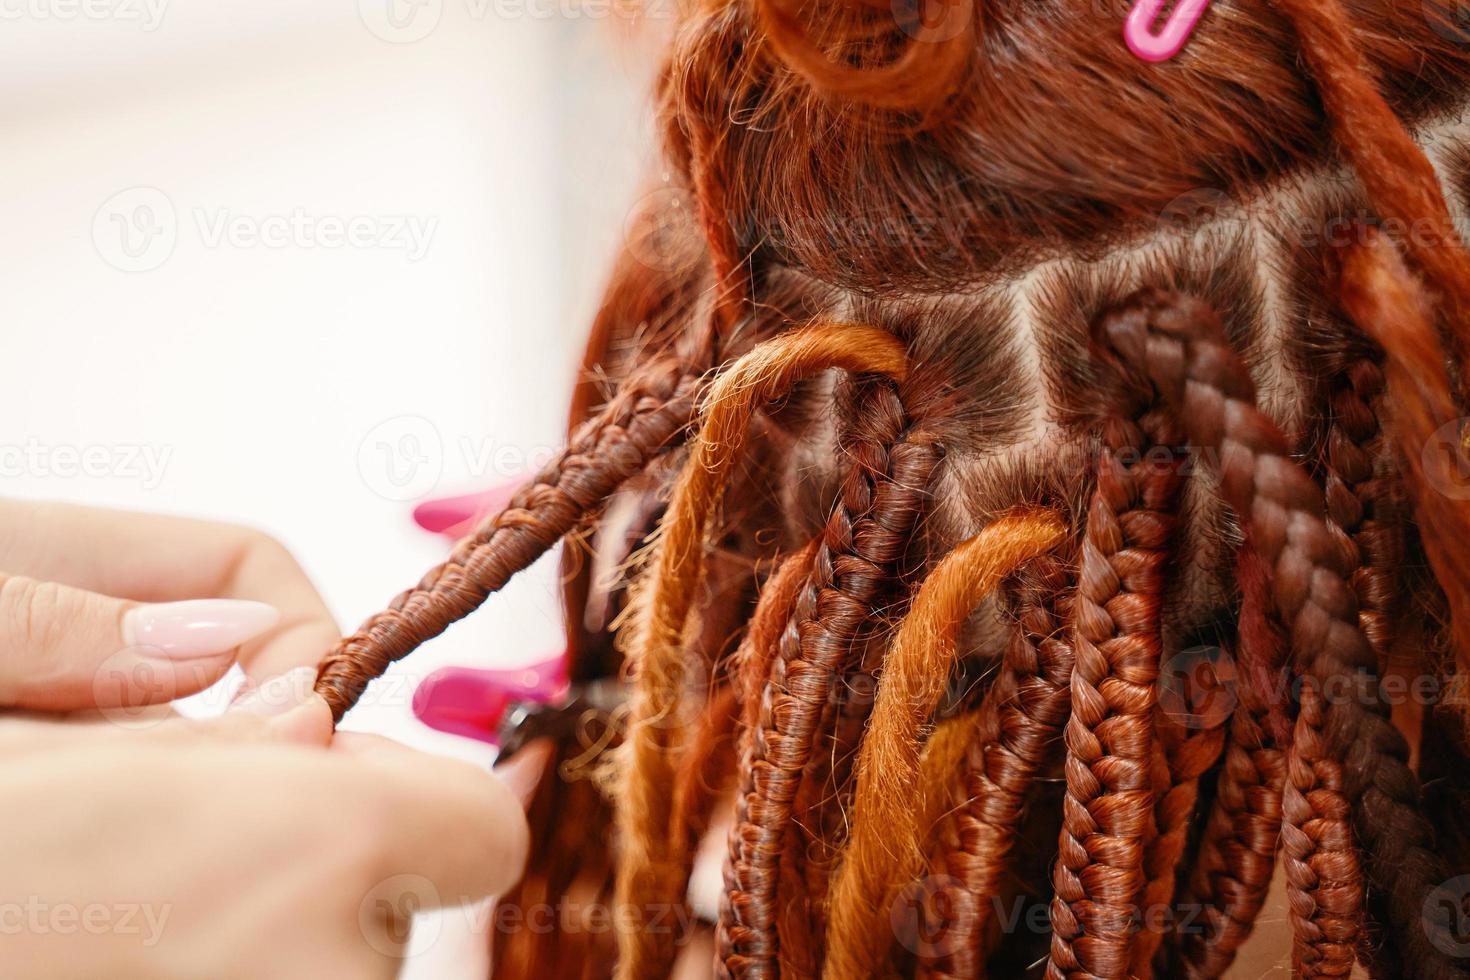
{"x":1175,"y":346}
{"x":649,"y":411}
{"x":852,"y":574}
{"x":1108,"y":810}
{"x":1237,"y":850}
{"x":1017,"y":736}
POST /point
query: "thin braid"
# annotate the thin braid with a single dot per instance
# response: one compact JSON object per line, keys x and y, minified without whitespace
{"x":1099,"y":874}
{"x":1360,"y":512}
{"x":1352,"y":459}
{"x":1185,"y":755}
{"x":1019,"y":724}
{"x":1237,"y":852}
{"x":1385,"y":301}
{"x":752,"y":664}
{"x":866,"y":535}
{"x":1174,"y":345}
{"x":652,"y":871}
{"x":648,"y":413}
{"x":1324,"y":882}
{"x":884,"y":848}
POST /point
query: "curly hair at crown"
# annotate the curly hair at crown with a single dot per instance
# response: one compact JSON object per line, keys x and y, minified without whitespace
{"x":1011,"y":492}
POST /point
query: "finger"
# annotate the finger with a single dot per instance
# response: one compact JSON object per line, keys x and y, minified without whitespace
{"x":171,"y":558}
{"x":64,"y":649}
{"x":459,"y":827}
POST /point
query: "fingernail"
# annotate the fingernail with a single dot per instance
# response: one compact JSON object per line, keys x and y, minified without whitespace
{"x":196,"y":627}
{"x":279,"y":694}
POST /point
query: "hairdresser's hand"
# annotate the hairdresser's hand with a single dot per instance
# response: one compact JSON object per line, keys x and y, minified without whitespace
{"x":239,"y":847}
{"x":85,"y":614}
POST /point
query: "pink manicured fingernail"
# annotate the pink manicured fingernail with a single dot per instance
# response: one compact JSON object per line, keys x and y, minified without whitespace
{"x":197,"y":627}
{"x":279,"y":694}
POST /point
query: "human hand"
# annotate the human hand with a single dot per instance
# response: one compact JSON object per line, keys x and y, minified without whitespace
{"x":240,"y":846}
{"x":90,"y":610}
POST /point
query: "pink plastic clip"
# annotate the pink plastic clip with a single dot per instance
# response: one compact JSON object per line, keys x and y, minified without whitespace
{"x":1164,"y":44}
{"x":454,"y":517}
{"x":471,"y":702}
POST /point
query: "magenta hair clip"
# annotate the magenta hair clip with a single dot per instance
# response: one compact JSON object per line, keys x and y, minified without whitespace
{"x":508,"y":708}
{"x":455,"y":517}
{"x":1165,"y":43}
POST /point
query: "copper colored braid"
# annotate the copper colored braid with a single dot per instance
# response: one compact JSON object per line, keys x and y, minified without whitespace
{"x":1384,"y":300}
{"x":1175,"y":345}
{"x":752,"y":666}
{"x":653,"y":407}
{"x":1019,"y":724}
{"x":1108,"y":809}
{"x":1186,"y":755}
{"x":1400,"y":181}
{"x":884,"y":850}
{"x":1356,"y":498}
{"x":868,"y":532}
{"x":653,"y":867}
{"x":1237,"y":851}
{"x":1324,"y":882}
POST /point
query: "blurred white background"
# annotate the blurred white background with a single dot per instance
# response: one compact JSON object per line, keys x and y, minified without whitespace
{"x":300,"y":265}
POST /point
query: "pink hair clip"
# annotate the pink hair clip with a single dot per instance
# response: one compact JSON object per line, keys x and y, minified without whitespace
{"x":1161,"y":45}
{"x":508,"y":708}
{"x":454,"y":517}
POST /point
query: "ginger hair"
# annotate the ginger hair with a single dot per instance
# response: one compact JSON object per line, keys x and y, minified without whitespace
{"x":944,"y":427}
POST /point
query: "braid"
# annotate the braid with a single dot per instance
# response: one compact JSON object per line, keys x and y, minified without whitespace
{"x":1324,"y":882}
{"x":1397,"y":176}
{"x":1385,"y":301}
{"x":648,"y":413}
{"x":1019,"y":724}
{"x":1184,"y":756}
{"x":1174,"y":344}
{"x":884,"y":847}
{"x":866,"y":535}
{"x":1099,"y":875}
{"x":1237,"y":850}
{"x":653,"y":869}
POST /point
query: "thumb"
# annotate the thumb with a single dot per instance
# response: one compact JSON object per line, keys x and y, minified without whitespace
{"x":64,"y":649}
